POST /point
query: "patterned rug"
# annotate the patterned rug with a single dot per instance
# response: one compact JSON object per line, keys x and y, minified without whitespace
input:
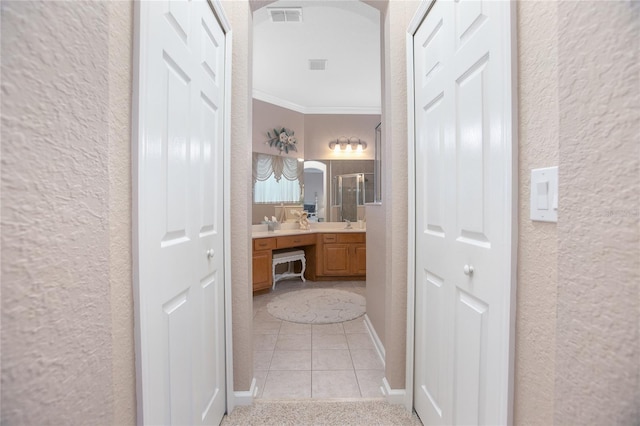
{"x":317,"y":306}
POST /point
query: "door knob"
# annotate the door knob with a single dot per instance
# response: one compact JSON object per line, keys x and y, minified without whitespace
{"x":468,"y":269}
{"x":210,"y":253}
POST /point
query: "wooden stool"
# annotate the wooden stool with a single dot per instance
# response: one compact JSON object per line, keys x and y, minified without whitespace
{"x":288,"y":256}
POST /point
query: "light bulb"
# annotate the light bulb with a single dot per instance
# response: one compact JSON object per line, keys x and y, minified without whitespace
{"x":348,"y":147}
{"x":336,"y":149}
{"x":359,"y":147}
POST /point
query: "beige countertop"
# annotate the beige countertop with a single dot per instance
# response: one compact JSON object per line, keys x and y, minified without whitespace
{"x":260,"y":231}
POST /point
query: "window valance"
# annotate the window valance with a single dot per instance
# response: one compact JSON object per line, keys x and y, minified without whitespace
{"x":266,"y":165}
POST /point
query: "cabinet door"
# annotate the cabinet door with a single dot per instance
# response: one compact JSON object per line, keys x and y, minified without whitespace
{"x":359,"y":259}
{"x":261,"y":270}
{"x":335,"y":259}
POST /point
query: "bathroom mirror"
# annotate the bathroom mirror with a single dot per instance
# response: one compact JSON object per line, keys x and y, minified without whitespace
{"x":325,"y":191}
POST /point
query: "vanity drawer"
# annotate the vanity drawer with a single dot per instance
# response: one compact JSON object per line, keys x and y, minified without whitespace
{"x":296,"y":241}
{"x":264,"y":244}
{"x":359,"y":237}
{"x":329,"y":238}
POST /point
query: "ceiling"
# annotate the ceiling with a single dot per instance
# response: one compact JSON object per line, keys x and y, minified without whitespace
{"x":346,"y":33}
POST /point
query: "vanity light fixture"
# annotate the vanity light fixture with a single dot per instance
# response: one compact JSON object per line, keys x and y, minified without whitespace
{"x":347,"y":145}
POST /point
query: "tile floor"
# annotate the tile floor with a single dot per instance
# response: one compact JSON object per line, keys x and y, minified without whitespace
{"x":293,"y":361}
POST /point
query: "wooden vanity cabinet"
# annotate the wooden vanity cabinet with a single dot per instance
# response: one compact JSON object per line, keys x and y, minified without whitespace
{"x":359,"y":266}
{"x":262,"y":257}
{"x":328,"y":256}
{"x":343,"y":255}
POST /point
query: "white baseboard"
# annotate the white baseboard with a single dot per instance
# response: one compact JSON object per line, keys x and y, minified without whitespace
{"x":376,"y":340}
{"x":393,"y":396}
{"x":246,"y":397}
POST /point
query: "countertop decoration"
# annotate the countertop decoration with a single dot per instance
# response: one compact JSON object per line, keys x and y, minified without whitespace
{"x":303,"y":219}
{"x":283,"y":140}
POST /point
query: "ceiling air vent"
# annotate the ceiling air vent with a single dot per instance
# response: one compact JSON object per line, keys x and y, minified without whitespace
{"x":317,"y":64}
{"x":285,"y":14}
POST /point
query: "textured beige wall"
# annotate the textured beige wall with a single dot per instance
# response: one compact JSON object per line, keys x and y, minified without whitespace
{"x":598,"y":347}
{"x":537,"y":245}
{"x":241,"y":275}
{"x":120,"y":85}
{"x":266,"y":117}
{"x":395,"y":187}
{"x":57,"y":352}
{"x":313,"y":131}
{"x":320,"y":129}
{"x":376,"y":268}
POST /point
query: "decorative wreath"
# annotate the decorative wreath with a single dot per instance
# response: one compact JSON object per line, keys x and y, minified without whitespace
{"x":283,"y":139}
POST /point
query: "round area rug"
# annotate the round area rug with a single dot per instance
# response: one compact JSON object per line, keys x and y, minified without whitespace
{"x":317,"y":306}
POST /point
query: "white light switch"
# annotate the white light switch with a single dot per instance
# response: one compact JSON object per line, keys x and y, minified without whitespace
{"x":544,"y":194}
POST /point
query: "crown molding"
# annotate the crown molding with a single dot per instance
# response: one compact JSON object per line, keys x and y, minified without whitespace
{"x":265,"y":97}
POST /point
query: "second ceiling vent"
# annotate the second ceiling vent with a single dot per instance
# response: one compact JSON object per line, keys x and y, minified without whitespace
{"x":317,"y":64}
{"x":285,"y":14}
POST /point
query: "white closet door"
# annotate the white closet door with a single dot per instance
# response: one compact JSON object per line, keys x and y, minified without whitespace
{"x":181,"y":346}
{"x":464,"y":151}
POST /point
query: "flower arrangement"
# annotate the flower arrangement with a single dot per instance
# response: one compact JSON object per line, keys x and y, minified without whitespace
{"x":283,"y":139}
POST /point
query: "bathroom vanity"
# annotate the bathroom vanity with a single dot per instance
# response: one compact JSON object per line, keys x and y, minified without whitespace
{"x":331,"y":251}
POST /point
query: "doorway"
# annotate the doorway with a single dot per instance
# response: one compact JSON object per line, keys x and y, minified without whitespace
{"x":305,"y":348}
{"x":315,"y":190}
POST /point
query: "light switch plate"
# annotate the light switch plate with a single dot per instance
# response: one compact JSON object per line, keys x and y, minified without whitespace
{"x":544,"y":194}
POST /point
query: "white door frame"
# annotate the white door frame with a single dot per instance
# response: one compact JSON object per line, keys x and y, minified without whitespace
{"x":416,"y":21}
{"x":220,"y":15}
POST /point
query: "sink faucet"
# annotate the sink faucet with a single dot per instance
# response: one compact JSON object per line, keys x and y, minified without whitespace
{"x":348,"y":225}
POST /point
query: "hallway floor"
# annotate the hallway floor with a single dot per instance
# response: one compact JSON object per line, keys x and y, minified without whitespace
{"x":317,"y":412}
{"x":294,"y":361}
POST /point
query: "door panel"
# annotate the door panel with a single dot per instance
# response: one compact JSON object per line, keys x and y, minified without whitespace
{"x":212,"y":371}
{"x":430,"y":375}
{"x":434,"y":224}
{"x":359,"y":266}
{"x":472,"y":137}
{"x":471,"y":323}
{"x":336,"y":259}
{"x":181,"y":287}
{"x":463,"y":170}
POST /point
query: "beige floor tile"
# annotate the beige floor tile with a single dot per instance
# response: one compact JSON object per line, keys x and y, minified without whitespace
{"x":266,"y":327}
{"x":360,"y":341}
{"x":260,"y":302}
{"x":263,"y":315}
{"x":294,"y":328}
{"x":287,"y":384}
{"x":331,"y":359}
{"x":329,"y":341}
{"x":264,"y":342}
{"x":336,"y":328}
{"x":262,"y":360}
{"x":355,"y":326}
{"x":293,"y":342}
{"x":334,"y":384}
{"x":370,"y":382}
{"x":261,"y":378}
{"x":366,"y":359}
{"x":291,"y":360}
{"x":360,"y":290}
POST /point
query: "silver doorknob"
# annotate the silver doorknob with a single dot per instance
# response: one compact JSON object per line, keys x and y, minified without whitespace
{"x":468,"y":269}
{"x":210,"y":253}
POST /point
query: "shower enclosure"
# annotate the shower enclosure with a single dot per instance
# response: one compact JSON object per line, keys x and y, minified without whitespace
{"x":351,"y":192}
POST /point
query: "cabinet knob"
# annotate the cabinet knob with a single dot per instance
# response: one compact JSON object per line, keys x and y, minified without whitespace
{"x":468,"y":269}
{"x":210,"y":253}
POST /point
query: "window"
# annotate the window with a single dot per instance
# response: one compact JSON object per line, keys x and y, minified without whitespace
{"x":273,"y":191}
{"x":277,"y":179}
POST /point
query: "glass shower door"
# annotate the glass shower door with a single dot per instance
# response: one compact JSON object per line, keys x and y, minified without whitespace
{"x":350,"y":195}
